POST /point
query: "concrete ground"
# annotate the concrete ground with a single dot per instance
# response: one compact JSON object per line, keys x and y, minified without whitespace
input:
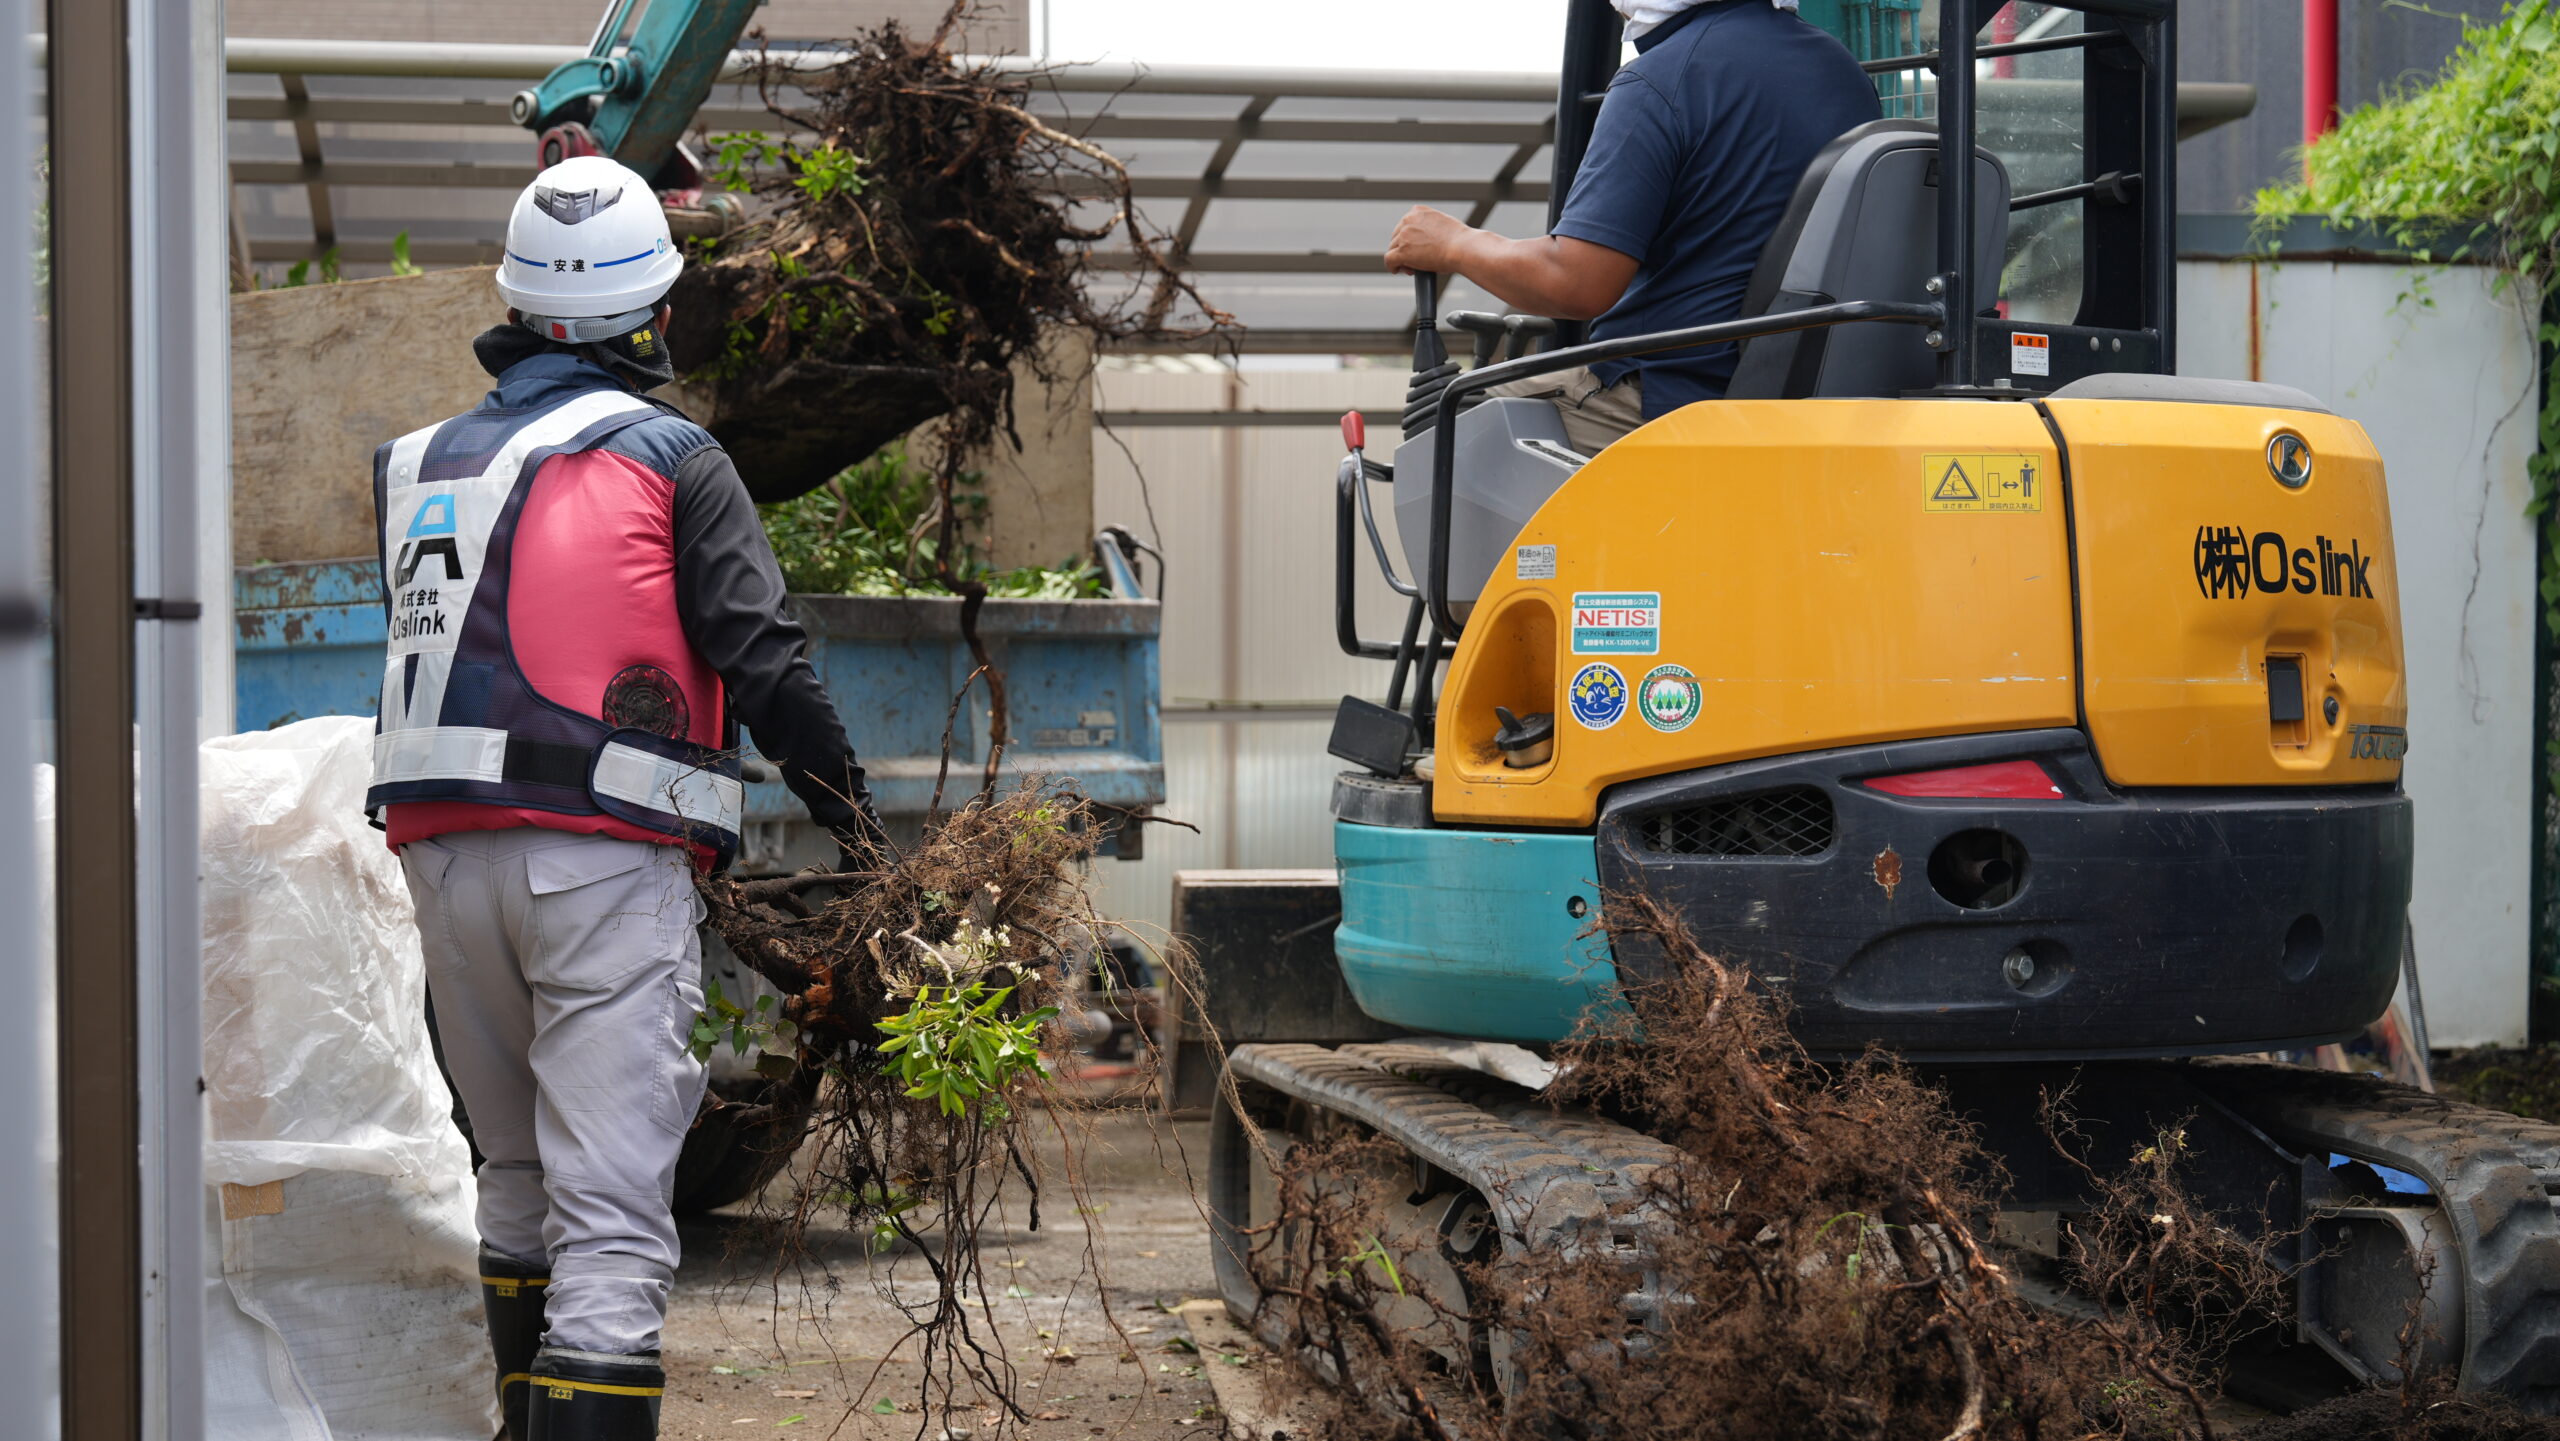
{"x":819,"y":1355}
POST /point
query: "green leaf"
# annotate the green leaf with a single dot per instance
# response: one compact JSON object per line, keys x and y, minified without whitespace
{"x":884,"y":1407}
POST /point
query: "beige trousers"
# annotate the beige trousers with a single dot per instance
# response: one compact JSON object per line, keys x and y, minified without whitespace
{"x":567,"y":973}
{"x":1594,"y":414}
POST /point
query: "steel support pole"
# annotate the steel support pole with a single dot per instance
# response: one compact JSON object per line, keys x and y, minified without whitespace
{"x":2319,"y":68}
{"x":1956,"y":220}
{"x":95,"y":893}
{"x":28,"y":1314}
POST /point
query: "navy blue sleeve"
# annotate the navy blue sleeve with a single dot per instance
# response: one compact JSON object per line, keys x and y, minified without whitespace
{"x":1629,"y":174}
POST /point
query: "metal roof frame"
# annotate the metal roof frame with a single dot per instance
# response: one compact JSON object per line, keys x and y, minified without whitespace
{"x":1510,"y":143}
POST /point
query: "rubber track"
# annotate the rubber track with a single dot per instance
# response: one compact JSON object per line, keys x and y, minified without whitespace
{"x":1552,"y":1177}
{"x":2494,"y":1174}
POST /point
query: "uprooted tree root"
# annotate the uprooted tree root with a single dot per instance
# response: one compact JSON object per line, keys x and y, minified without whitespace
{"x":918,"y":999}
{"x":918,"y":234}
{"x":1817,"y":1262}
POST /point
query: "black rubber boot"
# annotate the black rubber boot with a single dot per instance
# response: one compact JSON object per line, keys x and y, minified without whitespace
{"x":591,"y":1396}
{"x":511,"y":1295}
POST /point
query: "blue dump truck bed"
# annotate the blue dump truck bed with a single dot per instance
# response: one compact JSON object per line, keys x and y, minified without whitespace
{"x":1080,"y":684}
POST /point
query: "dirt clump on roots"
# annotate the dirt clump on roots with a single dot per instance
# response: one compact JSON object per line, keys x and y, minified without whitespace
{"x":920,"y":999}
{"x":1814,"y":1261}
{"x":914,"y":233}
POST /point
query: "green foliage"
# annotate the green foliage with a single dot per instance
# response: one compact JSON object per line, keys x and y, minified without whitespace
{"x":954,"y":1045}
{"x":1372,"y":1252}
{"x":401,"y":264}
{"x":741,"y":1026}
{"x":820,"y":172}
{"x":2471,"y":155}
{"x":301,"y":272}
{"x":2464,"y":166}
{"x":873,"y":530}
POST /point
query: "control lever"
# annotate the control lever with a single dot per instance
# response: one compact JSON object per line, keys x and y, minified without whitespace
{"x":1432,"y":367}
{"x":1488,"y":329}
{"x":1521,"y":329}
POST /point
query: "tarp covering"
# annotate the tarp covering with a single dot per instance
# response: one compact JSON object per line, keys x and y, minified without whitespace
{"x":348,"y":1304}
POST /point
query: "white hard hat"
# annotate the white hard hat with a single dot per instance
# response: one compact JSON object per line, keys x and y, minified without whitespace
{"x":587,"y":239}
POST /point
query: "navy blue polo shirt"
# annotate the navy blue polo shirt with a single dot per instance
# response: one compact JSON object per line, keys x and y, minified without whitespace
{"x":1696,"y":152}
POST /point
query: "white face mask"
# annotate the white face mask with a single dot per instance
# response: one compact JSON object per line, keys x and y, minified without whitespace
{"x":1644,"y":15}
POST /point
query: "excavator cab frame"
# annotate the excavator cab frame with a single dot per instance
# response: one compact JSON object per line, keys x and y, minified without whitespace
{"x":2124,"y":324}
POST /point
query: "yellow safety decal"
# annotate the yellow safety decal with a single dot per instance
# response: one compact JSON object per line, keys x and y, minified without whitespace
{"x":562,"y":1387}
{"x":508,"y":1285}
{"x":1977,"y":483}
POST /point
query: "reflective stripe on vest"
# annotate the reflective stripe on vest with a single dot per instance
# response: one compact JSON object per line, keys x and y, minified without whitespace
{"x":458,"y":719}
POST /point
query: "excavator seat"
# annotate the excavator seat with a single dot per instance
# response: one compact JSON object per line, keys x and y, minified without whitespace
{"x":1862,"y":226}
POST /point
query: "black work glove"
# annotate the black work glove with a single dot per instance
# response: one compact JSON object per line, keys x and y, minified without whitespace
{"x":862,"y":845}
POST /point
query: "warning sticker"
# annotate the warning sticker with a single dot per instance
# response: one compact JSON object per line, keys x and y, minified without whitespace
{"x":1982,"y":482}
{"x":2030,"y":354}
{"x":1617,"y":622}
{"x":1537,"y":562}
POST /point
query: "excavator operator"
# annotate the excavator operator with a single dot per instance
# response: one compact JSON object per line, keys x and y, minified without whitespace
{"x":1697,"y":149}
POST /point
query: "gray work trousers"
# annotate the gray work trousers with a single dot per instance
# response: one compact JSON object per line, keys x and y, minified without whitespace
{"x":566,"y":974}
{"x":1594,"y":414}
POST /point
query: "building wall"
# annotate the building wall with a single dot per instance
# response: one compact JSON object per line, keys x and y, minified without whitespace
{"x":2446,"y":388}
{"x":1000,"y":25}
{"x":2380,"y":47}
{"x":1251,"y":671}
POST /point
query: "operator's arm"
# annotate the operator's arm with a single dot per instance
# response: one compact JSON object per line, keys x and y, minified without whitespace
{"x":1552,"y":275}
{"x":729,"y":595}
{"x":1611,"y":219}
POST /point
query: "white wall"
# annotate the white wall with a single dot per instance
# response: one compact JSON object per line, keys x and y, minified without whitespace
{"x":2440,"y":371}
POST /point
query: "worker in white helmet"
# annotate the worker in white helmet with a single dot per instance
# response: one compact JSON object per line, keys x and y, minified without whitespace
{"x":583,"y":611}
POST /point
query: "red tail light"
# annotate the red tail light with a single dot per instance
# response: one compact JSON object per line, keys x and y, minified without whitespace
{"x":1998,"y":781}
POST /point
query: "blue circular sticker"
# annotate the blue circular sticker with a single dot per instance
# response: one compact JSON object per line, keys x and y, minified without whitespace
{"x":1669,"y":698}
{"x":1598,"y":696}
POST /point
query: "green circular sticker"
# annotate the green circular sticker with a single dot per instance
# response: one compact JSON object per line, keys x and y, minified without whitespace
{"x":1669,"y":698}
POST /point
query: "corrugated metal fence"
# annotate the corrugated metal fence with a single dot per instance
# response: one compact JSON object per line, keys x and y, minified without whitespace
{"x":1251,"y":672}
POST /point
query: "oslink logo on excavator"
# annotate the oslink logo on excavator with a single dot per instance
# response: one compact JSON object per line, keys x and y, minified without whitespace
{"x":2231,"y":562}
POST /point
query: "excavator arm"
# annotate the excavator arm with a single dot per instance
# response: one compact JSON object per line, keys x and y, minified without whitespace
{"x":633,"y":99}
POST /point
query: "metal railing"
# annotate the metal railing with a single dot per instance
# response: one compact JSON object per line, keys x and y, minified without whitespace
{"x":1255,"y":91}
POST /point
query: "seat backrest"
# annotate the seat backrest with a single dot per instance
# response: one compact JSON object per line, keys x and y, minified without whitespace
{"x":1863,"y":225}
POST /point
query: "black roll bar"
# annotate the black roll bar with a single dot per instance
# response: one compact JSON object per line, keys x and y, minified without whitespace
{"x":1444,"y":450}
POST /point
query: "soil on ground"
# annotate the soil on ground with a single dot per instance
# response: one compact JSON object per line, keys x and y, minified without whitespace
{"x":2522,"y":1079}
{"x":820,"y":1353}
{"x":2379,"y":1416}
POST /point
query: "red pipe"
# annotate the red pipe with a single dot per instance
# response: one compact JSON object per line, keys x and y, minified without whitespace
{"x":2319,"y":68}
{"x":2004,"y":28}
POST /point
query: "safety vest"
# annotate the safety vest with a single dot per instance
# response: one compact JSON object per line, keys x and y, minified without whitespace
{"x":459,"y":721}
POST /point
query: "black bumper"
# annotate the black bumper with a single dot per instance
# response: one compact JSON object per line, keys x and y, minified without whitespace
{"x":2137,"y":923}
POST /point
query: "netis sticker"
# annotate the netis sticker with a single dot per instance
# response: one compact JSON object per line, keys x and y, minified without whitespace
{"x":2030,"y":354}
{"x":1617,"y":622}
{"x":1598,"y":696}
{"x":1536,"y":562}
